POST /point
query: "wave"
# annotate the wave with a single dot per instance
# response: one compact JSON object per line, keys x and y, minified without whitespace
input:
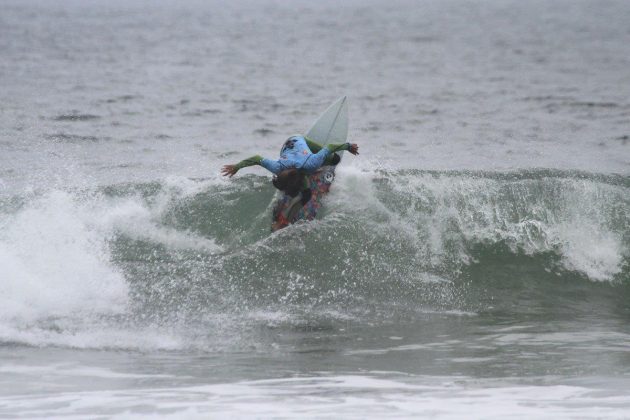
{"x":178,"y":262}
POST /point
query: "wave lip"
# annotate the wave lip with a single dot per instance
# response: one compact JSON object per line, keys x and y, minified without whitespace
{"x":582,"y":220}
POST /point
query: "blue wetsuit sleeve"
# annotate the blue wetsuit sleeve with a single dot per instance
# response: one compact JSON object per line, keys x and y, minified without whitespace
{"x":272,"y":165}
{"x":316,"y":160}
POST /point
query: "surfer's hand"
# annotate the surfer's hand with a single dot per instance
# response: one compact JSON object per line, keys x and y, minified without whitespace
{"x":229,"y":170}
{"x":354,"y":149}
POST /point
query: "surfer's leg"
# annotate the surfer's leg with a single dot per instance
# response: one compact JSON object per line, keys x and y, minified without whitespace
{"x":306,"y":196}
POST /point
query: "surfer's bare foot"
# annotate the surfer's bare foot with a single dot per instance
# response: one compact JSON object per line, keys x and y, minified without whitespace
{"x":229,"y":170}
{"x":354,"y":149}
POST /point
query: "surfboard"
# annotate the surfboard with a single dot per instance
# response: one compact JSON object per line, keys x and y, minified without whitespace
{"x":330,"y":127}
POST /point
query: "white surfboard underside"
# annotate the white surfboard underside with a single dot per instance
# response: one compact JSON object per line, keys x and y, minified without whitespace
{"x":332,"y":125}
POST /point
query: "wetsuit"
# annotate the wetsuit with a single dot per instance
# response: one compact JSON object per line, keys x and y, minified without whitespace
{"x":300,"y":153}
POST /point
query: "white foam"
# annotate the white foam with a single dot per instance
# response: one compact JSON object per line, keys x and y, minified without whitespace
{"x":589,"y":247}
{"x":523,"y":214}
{"x":139,"y":221}
{"x":90,"y":333}
{"x":55,"y":262}
{"x":58,"y":285}
{"x":74,"y":370}
{"x":340,"y":396}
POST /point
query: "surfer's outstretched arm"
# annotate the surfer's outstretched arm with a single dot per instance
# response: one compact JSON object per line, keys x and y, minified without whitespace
{"x":314,"y":146}
{"x":317,"y":160}
{"x":271,"y":165}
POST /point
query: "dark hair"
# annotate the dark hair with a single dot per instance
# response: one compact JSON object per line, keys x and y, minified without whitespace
{"x":289,"y":181}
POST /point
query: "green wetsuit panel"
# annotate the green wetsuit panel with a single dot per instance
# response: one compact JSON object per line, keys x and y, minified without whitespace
{"x":254,"y":160}
{"x":316,"y":147}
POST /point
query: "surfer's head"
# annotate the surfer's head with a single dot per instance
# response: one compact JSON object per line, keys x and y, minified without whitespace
{"x":289,"y":181}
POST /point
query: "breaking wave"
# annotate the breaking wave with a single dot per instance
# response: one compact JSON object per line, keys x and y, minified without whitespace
{"x":191,"y":263}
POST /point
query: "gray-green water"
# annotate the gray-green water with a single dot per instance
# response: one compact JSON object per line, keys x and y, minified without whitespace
{"x":472,"y":262}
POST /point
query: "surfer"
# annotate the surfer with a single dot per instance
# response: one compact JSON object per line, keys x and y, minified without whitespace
{"x":299,"y":157}
{"x":297,"y":153}
{"x":303,"y":165}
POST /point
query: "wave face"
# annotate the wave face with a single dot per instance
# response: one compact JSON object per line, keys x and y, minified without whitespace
{"x":191,"y":263}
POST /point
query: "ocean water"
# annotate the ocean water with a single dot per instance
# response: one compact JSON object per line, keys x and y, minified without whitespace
{"x":472,"y":262}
